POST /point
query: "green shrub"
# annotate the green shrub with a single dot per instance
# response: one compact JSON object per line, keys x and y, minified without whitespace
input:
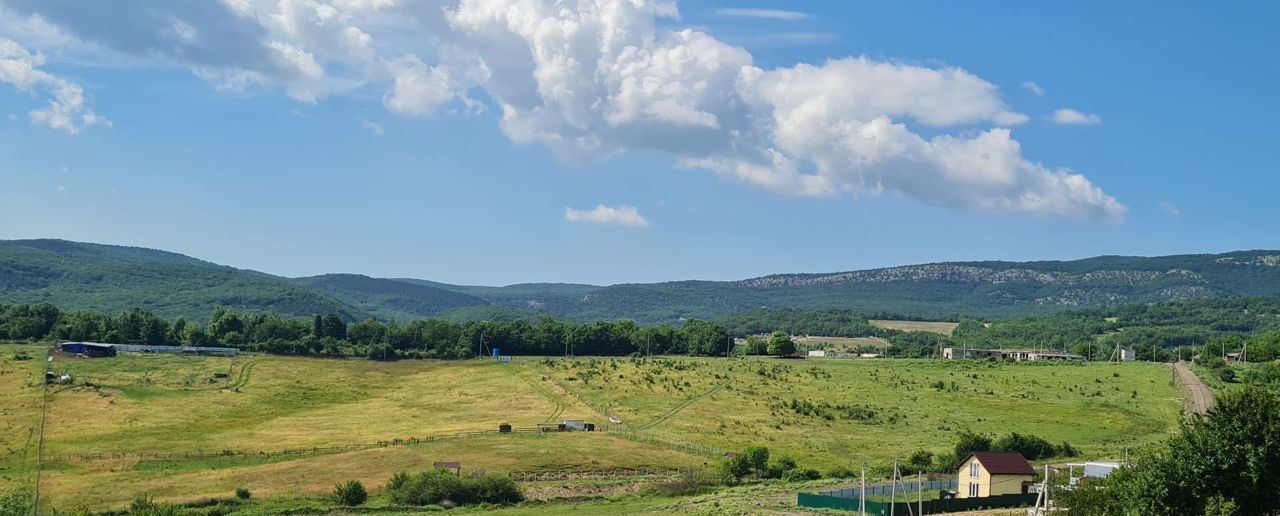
{"x":780,"y":467}
{"x":801,"y":475}
{"x":970,"y":442}
{"x":841,"y":472}
{"x":1030,"y":446}
{"x":691,"y":482}
{"x":16,"y":503}
{"x":1212,"y":361}
{"x":350,"y":494}
{"x":946,"y":462}
{"x":243,"y":493}
{"x":144,"y":505}
{"x":920,"y":460}
{"x":440,"y":487}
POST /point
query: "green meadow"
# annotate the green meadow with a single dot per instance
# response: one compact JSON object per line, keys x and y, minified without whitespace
{"x":149,"y":415}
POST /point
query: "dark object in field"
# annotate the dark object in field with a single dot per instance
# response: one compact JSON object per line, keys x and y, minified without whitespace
{"x":88,"y":349}
{"x":504,"y":428}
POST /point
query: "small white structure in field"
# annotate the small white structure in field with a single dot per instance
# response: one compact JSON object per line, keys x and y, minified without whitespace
{"x":575,"y":424}
{"x":1079,"y":471}
{"x":817,"y":353}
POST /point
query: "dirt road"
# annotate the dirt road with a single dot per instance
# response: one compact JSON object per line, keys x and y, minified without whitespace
{"x":1199,"y":397}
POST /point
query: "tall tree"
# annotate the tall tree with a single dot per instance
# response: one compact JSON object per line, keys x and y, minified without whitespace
{"x":780,"y":344}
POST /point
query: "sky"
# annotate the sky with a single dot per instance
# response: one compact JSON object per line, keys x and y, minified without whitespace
{"x":505,"y":141}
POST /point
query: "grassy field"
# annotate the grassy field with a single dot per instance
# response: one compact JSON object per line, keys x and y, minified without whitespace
{"x":878,"y":411}
{"x":20,"y":402}
{"x":945,"y":328}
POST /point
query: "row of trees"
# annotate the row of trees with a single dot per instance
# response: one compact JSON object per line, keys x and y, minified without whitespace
{"x":331,"y":335}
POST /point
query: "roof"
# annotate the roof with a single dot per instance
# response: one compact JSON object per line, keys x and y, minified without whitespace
{"x":1002,"y":463}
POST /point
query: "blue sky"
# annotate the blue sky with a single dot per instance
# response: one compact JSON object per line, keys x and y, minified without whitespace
{"x":207,"y":151}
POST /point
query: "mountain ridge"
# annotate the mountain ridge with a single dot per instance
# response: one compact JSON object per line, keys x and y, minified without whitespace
{"x":112,"y":278}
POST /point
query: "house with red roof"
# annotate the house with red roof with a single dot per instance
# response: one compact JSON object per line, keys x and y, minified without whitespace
{"x":985,"y":473}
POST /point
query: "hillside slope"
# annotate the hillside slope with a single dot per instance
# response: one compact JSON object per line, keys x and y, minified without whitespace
{"x":987,"y":288}
{"x":114,"y":278}
{"x":389,"y":298}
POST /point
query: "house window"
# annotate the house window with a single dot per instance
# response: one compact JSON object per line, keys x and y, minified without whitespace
{"x":973,"y":470}
{"x":973,"y":490}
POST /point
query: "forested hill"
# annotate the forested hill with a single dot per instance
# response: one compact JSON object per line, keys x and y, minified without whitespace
{"x":390,"y":298}
{"x":113,"y":278}
{"x":108,"y":278}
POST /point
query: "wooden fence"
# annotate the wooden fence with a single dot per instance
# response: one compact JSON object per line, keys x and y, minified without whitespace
{"x":596,"y":474}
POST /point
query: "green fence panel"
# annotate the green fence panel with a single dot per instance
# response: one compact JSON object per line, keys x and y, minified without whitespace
{"x":817,"y":501}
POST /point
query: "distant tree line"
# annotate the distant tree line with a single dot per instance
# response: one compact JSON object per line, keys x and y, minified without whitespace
{"x":1159,"y":332}
{"x":330,"y":335}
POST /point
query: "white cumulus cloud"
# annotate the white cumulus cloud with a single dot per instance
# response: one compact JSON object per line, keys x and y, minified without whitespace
{"x":592,"y":79}
{"x":64,"y":108}
{"x":1066,"y":116}
{"x":621,"y":215}
{"x":1034,"y":88}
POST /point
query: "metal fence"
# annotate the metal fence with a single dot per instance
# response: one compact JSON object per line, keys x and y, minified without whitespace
{"x":194,"y":350}
{"x":698,"y":449}
{"x":819,"y":501}
{"x":903,"y":487}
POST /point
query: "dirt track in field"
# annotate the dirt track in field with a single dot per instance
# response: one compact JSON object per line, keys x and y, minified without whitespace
{"x":1199,"y":397}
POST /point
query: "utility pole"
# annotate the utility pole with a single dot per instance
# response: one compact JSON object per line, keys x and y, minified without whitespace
{"x":862,"y":495}
{"x":920,"y":492}
{"x":728,"y":345}
{"x":893,"y":491}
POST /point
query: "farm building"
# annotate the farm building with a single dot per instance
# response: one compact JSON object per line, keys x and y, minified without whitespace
{"x":956,"y":353}
{"x":97,"y":349}
{"x":984,"y":474}
{"x":88,"y":349}
{"x":1092,"y":469}
{"x":185,"y":350}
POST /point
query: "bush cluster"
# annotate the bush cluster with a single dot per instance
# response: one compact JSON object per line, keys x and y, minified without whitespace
{"x":350,"y":494}
{"x":441,"y":487}
{"x":1030,"y":446}
{"x":754,"y":462}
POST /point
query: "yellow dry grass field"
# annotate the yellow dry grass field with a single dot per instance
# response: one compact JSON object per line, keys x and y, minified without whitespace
{"x":945,"y":328}
{"x":829,"y":413}
{"x":20,"y":400}
{"x":823,"y":413}
{"x":145,"y":404}
{"x":113,"y":483}
{"x":161,"y":403}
